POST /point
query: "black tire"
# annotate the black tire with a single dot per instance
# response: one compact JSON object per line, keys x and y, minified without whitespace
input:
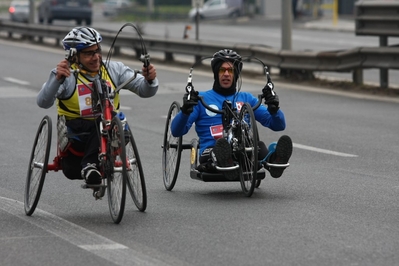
{"x":135,"y":174}
{"x":116,"y":170}
{"x":248,"y":155}
{"x":38,"y":163}
{"x":171,"y":150}
{"x":88,"y":22}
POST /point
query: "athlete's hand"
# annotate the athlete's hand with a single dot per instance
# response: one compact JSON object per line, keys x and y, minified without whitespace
{"x":63,"y":70}
{"x":188,"y":104}
{"x":271,"y":98}
{"x":149,"y":72}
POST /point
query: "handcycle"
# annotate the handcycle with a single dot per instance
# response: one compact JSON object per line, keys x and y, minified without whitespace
{"x":119,"y":160}
{"x":239,"y":128}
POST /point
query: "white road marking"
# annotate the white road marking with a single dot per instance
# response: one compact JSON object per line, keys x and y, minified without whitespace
{"x":115,"y":253}
{"x":16,"y":81}
{"x":125,"y":108}
{"x":310,"y":148}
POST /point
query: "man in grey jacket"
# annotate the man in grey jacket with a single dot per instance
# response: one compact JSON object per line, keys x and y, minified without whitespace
{"x":69,"y":86}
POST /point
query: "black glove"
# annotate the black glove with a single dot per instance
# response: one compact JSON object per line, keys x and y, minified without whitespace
{"x":188,"y":104}
{"x":271,"y":98}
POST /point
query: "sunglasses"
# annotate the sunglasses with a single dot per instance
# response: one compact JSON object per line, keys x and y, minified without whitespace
{"x":223,"y":70}
{"x":90,"y":54}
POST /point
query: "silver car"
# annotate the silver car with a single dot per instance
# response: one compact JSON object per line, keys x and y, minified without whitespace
{"x":217,"y":9}
{"x":112,"y":7}
{"x":19,"y":11}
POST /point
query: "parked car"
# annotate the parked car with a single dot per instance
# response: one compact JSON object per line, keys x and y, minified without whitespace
{"x":78,"y":10}
{"x":19,"y":11}
{"x":217,"y":9}
{"x":113,"y":7}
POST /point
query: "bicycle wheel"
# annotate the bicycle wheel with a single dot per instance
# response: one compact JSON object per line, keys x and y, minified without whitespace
{"x":135,"y":174}
{"x":172,"y":147}
{"x":116,"y":170}
{"x":38,"y":165}
{"x":248,"y":152}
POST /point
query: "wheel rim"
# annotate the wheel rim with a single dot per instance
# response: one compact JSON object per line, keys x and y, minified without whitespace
{"x":38,"y":165}
{"x":248,"y":151}
{"x":117,"y":173}
{"x":136,"y":181}
{"x":171,"y":151}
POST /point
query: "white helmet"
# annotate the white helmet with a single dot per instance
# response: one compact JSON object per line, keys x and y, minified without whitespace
{"x":81,"y":38}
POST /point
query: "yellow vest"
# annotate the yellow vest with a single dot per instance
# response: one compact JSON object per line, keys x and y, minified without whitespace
{"x":79,"y":105}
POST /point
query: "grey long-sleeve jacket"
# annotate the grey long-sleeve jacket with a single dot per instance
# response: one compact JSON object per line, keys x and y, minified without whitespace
{"x":119,"y":73}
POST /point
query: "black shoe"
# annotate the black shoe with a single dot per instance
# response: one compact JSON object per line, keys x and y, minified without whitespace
{"x":222,"y":155}
{"x":91,"y":175}
{"x":207,"y":167}
{"x":281,"y":155}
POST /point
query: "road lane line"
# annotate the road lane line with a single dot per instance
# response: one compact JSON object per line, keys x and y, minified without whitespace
{"x":310,"y":148}
{"x":105,"y":248}
{"x":16,"y":81}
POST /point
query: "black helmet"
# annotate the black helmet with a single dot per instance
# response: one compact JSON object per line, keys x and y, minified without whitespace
{"x":226,"y":55}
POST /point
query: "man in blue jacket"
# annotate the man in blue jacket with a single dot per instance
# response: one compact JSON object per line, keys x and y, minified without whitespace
{"x":215,"y":150}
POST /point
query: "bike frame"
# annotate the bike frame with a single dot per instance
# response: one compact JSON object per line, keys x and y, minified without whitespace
{"x":105,"y":126}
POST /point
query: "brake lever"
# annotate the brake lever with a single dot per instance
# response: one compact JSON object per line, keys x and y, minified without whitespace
{"x":269,"y":83}
{"x":145,"y":58}
{"x":189,"y":86}
{"x":69,"y":55}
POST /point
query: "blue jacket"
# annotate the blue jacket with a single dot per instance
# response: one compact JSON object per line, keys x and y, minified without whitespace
{"x":208,"y":125}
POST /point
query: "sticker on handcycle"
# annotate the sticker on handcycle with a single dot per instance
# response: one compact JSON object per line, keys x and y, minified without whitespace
{"x":192,"y":157}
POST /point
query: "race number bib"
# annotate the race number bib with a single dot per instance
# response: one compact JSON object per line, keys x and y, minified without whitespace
{"x":217,"y":131}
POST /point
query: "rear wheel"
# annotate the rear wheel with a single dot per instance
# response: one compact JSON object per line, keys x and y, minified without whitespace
{"x":248,"y":156}
{"x":38,"y":165}
{"x":116,"y":170}
{"x":171,"y":150}
{"x":135,"y":174}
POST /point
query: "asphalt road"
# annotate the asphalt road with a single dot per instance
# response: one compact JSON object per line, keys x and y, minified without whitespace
{"x":337,"y":204}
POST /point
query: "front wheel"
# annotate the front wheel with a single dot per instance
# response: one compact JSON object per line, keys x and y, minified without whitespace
{"x":171,"y":150}
{"x":38,"y":163}
{"x":116,"y":170}
{"x":135,"y":174}
{"x":248,"y":147}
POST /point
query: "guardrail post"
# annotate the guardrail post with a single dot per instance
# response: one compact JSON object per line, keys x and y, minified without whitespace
{"x":117,"y":50}
{"x":357,"y":76}
{"x":169,"y":57}
{"x":383,"y":71}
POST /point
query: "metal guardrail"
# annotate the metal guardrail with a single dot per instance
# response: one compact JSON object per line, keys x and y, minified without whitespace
{"x":377,"y":18}
{"x":353,"y":60}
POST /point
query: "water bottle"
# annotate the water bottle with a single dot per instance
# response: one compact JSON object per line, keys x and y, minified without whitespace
{"x":122,"y":117}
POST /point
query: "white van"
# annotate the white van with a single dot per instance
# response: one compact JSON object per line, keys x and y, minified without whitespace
{"x":217,"y":9}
